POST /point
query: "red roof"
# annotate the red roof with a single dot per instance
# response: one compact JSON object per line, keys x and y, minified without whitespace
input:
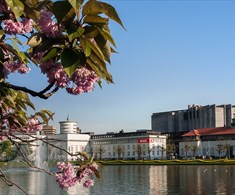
{"x":210,"y":131}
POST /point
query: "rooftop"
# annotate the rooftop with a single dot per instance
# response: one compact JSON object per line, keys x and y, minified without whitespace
{"x":210,"y":131}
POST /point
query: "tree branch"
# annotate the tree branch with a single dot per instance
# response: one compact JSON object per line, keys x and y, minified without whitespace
{"x":40,"y":94}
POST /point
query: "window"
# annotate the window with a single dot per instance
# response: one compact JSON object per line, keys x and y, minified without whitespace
{"x":133,"y":153}
{"x":128,"y":153}
{"x":128,"y":147}
{"x":114,"y":154}
{"x":152,"y":152}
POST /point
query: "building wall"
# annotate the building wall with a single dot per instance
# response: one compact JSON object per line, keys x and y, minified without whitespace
{"x":73,"y":143}
{"x":205,"y":148}
{"x":152,"y":145}
{"x":193,"y":118}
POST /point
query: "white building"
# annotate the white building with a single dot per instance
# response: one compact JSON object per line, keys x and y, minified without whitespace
{"x":142,"y":144}
{"x":208,"y":142}
{"x":68,"y":139}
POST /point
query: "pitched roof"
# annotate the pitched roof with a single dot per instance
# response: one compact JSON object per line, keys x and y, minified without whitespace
{"x":210,"y":131}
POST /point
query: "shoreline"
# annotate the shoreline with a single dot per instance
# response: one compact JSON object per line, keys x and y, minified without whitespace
{"x":168,"y":162}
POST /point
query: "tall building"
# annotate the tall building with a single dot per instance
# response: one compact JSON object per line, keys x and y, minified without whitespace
{"x":194,"y":117}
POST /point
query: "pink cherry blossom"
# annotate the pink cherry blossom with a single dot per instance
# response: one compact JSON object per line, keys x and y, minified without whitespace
{"x":12,"y":27}
{"x":48,"y":26}
{"x":33,"y":125}
{"x":84,"y":80}
{"x":55,"y":72}
{"x":88,"y":183}
{"x":14,"y":66}
{"x":66,"y":176}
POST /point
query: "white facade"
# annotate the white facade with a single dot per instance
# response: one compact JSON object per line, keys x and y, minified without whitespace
{"x":207,"y":148}
{"x":72,"y":143}
{"x":136,"y":145}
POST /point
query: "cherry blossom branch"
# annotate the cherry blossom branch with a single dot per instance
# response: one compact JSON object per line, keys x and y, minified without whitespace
{"x":40,"y":94}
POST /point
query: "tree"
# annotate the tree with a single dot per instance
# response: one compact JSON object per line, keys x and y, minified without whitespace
{"x":139,"y":151}
{"x":7,"y":150}
{"x":186,"y":147}
{"x":220,"y":149}
{"x":170,"y":149}
{"x":120,"y":150}
{"x":227,"y":150}
{"x":69,"y":41}
{"x":100,"y":151}
{"x":194,"y":148}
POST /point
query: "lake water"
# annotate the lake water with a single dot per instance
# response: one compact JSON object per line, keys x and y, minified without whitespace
{"x":135,"y":180}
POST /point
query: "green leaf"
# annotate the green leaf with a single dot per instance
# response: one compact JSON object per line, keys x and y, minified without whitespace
{"x":106,"y":34}
{"x":63,"y":11}
{"x":50,"y":54}
{"x":76,"y":4}
{"x":45,"y":115}
{"x":86,"y":47}
{"x":104,"y":46}
{"x":99,"y":68}
{"x":16,"y":6}
{"x":70,"y":60}
{"x":90,"y":32}
{"x":1,"y":33}
{"x":75,"y":33}
{"x":95,"y":19}
{"x":94,"y":7}
{"x":95,"y":48}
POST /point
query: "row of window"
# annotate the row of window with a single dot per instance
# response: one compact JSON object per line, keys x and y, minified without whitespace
{"x":134,"y":154}
{"x":125,"y":141}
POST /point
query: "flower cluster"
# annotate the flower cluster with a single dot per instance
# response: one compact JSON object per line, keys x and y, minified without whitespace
{"x":55,"y":72}
{"x":48,"y":26}
{"x":68,"y":176}
{"x":33,"y":125}
{"x":22,"y":27}
{"x":84,"y":79}
{"x":13,"y":66}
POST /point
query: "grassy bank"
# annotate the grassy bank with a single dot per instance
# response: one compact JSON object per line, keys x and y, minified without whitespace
{"x":168,"y":162}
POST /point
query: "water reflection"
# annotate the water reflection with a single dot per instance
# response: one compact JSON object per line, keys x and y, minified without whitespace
{"x":135,"y":180}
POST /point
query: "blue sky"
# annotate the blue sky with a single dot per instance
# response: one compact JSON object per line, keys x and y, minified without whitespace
{"x":174,"y":53}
